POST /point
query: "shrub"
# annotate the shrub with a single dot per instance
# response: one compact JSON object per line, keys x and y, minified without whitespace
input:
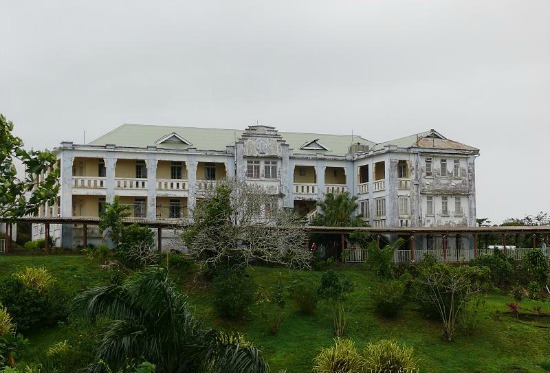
{"x":535,"y":290}
{"x":518,"y":293}
{"x":31,"y":245}
{"x":36,"y":277}
{"x":333,"y":290}
{"x":341,"y":358}
{"x":501,"y":267}
{"x":389,"y":356}
{"x":389,"y":298}
{"x":136,"y":248}
{"x":30,"y":308}
{"x":305,"y":298}
{"x":233,"y":292}
{"x":381,"y":259}
{"x":535,"y":264}
{"x":6,"y":322}
{"x":273,"y":306}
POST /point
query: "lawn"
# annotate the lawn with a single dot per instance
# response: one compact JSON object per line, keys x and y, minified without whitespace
{"x":500,"y":343}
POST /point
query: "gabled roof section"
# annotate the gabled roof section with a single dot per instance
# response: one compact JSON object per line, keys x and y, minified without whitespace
{"x":173,"y":138}
{"x":314,"y":145}
{"x":427,"y":139}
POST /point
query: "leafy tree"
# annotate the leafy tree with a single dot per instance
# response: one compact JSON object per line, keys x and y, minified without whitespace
{"x":19,"y":197}
{"x":338,"y":210}
{"x":240,"y":222}
{"x":150,"y":321}
{"x":111,"y":222}
{"x":381,"y":258}
{"x":449,"y":289}
{"x":334,"y":290}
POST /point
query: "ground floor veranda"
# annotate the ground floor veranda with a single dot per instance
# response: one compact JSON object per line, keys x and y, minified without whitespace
{"x":447,"y":244}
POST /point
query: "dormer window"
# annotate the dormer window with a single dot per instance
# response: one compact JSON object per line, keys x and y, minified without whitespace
{"x":313,"y":145}
{"x":173,"y":138}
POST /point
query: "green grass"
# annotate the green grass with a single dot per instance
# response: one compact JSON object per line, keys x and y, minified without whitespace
{"x":499,"y":344}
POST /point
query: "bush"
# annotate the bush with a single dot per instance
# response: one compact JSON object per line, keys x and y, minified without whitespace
{"x":305,"y":298}
{"x":389,"y":299}
{"x":380,"y":259}
{"x":501,"y":267}
{"x":341,"y":358}
{"x":36,"y":277}
{"x":388,"y":356}
{"x":6,"y":322}
{"x":136,"y":248}
{"x":31,"y":245}
{"x":535,"y":264}
{"x":30,"y":308}
{"x":273,"y":307}
{"x":233,"y":292}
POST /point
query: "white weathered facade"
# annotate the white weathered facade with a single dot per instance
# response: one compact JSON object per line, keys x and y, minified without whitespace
{"x":423,"y":180}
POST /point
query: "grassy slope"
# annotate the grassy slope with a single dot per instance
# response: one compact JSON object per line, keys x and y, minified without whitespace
{"x":500,"y":344}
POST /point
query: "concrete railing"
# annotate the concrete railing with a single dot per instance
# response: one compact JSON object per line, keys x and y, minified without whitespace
{"x":404,"y":184}
{"x":171,"y":184}
{"x":335,"y":188}
{"x":379,"y":185}
{"x":363,"y":188}
{"x":130,"y":183}
{"x":88,"y":182}
{"x":305,"y":189}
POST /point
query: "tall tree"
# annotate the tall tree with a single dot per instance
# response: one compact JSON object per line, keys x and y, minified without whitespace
{"x":150,"y":321}
{"x":22,"y":196}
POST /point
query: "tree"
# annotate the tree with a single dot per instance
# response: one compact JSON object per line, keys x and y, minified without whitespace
{"x":150,"y":321}
{"x":20,"y":197}
{"x":240,"y":222}
{"x":338,"y":210}
{"x":449,"y":289}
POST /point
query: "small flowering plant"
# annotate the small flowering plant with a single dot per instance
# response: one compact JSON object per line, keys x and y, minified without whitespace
{"x":514,"y":307}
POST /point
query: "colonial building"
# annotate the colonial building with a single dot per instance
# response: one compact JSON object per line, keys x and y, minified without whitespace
{"x":423,"y":180}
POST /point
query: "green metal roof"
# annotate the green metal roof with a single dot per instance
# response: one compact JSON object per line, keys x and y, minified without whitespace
{"x":216,"y":139}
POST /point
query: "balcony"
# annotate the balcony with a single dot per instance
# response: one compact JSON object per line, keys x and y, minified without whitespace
{"x":404,"y":184}
{"x":206,"y":185}
{"x":270,"y":186}
{"x":170,"y":185}
{"x":379,"y":185}
{"x":88,"y":182}
{"x":131,"y":183}
{"x":363,"y":188}
{"x":305,"y":191}
{"x":335,"y":188}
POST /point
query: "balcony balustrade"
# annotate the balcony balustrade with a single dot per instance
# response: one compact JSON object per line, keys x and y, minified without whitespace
{"x":363,"y":188}
{"x":335,"y":188}
{"x":379,"y":185}
{"x":89,"y":182}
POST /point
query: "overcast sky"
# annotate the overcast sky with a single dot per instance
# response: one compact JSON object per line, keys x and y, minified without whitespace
{"x":477,"y":71}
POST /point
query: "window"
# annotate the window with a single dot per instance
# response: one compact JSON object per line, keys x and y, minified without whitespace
{"x":428,"y":167}
{"x":302,"y":172}
{"x":402,"y":169}
{"x":174,"y":208}
{"x":101,"y":171}
{"x":176,"y":170}
{"x":445,"y":205}
{"x":270,"y":169}
{"x":444,"y":168}
{"x":210,"y":171}
{"x":380,"y":207}
{"x":429,"y":205}
{"x":141,"y":170}
{"x":140,"y":207}
{"x":456,"y":168}
{"x":364,"y":205}
{"x":404,"y":203}
{"x":100,"y":206}
{"x":458,"y":206}
{"x":253,"y":169}
{"x":363,"y":174}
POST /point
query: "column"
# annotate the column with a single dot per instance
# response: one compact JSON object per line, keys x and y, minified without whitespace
{"x":110,"y":174}
{"x":320,"y":176}
{"x":151,"y":187}
{"x":192,"y":177}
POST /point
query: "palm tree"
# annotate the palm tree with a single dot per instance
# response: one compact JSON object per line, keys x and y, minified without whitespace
{"x":150,"y":322}
{"x":338,"y":210}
